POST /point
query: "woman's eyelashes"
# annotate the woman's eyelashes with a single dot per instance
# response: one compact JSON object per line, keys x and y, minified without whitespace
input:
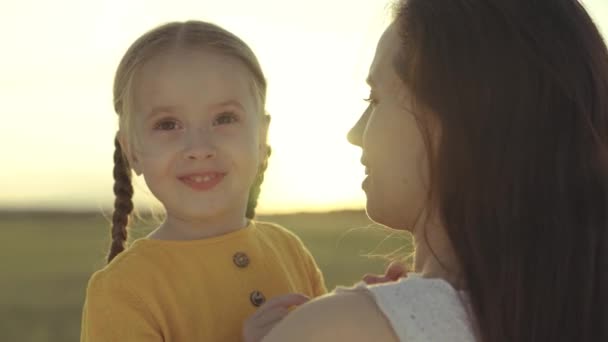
{"x":371,"y":100}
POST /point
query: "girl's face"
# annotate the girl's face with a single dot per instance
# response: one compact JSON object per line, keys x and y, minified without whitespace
{"x":198,"y":136}
{"x":394,"y":151}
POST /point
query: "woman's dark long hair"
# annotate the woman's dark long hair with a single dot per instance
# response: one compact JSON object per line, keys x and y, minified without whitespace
{"x":520,"y":91}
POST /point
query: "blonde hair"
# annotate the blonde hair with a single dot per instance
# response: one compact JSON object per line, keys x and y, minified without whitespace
{"x":165,"y":38}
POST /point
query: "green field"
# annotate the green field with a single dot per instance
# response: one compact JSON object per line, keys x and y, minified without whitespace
{"x":46,"y":259}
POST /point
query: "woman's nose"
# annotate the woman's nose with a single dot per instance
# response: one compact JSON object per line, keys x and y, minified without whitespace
{"x":355,"y":135}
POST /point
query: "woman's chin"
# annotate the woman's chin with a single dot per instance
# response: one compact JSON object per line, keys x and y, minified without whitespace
{"x":377,"y":214}
{"x":390,"y":218}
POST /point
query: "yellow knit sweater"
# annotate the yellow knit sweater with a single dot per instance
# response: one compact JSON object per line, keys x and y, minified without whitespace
{"x":201,"y":290}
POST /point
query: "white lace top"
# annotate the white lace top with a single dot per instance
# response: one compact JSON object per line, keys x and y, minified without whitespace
{"x":422,"y":310}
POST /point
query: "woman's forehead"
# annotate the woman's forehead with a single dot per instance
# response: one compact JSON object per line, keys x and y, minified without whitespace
{"x":381,"y":68}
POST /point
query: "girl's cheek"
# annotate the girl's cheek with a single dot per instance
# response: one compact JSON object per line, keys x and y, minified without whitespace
{"x":164,"y":146}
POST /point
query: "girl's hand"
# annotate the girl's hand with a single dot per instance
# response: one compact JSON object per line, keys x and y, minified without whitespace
{"x":394,"y":271}
{"x":269,"y":314}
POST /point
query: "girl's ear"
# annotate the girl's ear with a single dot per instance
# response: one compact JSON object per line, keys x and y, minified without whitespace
{"x":127,"y":152}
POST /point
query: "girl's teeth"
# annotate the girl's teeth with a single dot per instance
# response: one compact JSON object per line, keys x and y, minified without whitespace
{"x":201,"y":179}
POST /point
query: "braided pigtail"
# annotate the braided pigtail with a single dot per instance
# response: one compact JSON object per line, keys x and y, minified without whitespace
{"x":123,"y":204}
{"x":256,"y":188}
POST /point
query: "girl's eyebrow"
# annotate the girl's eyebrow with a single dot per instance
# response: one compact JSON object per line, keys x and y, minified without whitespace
{"x":229,"y":103}
{"x":160,"y":110}
{"x":164,"y":109}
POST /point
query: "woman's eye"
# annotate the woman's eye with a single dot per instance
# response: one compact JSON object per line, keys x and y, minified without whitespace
{"x":370,"y":99}
{"x":225,"y":118}
{"x":166,"y":125}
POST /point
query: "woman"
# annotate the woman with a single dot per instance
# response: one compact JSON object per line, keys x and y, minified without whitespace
{"x":486,"y":138}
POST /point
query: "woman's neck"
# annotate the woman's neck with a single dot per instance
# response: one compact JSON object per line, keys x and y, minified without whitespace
{"x":434,"y":256}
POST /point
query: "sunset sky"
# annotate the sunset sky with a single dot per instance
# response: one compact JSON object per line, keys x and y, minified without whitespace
{"x":58,"y":64}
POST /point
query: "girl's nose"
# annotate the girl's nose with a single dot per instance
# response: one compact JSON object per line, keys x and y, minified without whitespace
{"x":200,"y":147}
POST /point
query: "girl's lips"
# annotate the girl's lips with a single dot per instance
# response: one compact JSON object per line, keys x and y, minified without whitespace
{"x":203,"y":181}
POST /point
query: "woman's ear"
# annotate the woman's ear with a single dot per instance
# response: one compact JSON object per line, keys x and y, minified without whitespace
{"x":127,"y":152}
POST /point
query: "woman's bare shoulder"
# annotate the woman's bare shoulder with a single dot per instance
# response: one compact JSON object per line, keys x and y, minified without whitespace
{"x":348,"y":315}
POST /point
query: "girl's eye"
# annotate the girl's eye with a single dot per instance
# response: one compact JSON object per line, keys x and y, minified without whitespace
{"x":225,"y":119}
{"x":166,"y":125}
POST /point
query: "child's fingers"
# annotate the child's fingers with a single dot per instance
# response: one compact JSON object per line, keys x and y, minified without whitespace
{"x":269,"y":314}
{"x":284,"y":301}
{"x":255,"y":333}
{"x":271,"y":317}
{"x":261,"y":319}
{"x":258,"y":325}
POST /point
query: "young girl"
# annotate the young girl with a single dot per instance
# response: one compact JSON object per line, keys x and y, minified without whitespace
{"x":190,"y":99}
